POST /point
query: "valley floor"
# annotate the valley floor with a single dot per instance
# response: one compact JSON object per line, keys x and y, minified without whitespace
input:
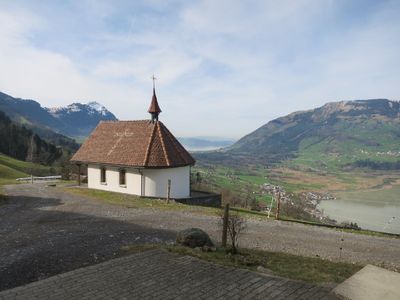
{"x":46,"y":231}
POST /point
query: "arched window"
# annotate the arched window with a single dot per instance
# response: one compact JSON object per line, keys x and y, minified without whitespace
{"x":103,"y":178}
{"x":122,"y":177}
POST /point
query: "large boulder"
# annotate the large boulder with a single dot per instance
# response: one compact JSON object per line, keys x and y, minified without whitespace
{"x":193,"y":238}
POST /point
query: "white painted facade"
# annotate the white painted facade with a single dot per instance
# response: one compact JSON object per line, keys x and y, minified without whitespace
{"x":142,"y":182}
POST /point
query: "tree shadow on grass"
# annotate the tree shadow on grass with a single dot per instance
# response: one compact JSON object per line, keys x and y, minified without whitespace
{"x":37,"y":241}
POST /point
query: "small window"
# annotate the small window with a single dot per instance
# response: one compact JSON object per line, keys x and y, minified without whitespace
{"x":103,"y":178}
{"x":122,"y":175}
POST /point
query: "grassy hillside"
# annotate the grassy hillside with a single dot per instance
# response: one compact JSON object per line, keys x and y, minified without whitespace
{"x":8,"y":175}
{"x":340,"y":135}
{"x":11,"y":168}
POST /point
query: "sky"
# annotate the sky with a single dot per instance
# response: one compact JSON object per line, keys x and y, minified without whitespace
{"x":223,"y":68}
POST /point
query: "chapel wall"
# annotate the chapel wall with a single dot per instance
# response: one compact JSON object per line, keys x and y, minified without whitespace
{"x":156,"y":182}
{"x":133,"y":180}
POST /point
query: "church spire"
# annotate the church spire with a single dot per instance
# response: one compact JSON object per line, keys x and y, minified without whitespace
{"x":154,"y":108}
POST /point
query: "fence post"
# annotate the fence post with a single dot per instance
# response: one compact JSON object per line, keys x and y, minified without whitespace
{"x":79,"y":174}
{"x":225,"y":225}
{"x":168,"y":190}
{"x":31,"y":178}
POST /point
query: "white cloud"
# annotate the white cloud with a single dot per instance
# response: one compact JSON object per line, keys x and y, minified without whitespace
{"x":224,"y":67}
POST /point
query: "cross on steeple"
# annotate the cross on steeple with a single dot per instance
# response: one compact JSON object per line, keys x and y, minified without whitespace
{"x":154,"y":108}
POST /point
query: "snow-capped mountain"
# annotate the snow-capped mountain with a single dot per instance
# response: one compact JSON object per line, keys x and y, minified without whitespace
{"x":76,"y":120}
{"x":83,"y":118}
{"x":92,"y":108}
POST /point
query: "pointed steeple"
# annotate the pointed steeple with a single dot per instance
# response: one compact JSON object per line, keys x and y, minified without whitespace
{"x":154,"y":108}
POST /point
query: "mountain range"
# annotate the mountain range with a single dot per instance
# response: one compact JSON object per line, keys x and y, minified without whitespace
{"x":76,"y":120}
{"x":345,"y":134}
{"x":338,"y":134}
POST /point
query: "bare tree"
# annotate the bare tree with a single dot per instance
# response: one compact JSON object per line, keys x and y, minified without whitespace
{"x":236,"y":225}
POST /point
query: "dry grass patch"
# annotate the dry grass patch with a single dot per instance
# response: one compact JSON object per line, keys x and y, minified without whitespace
{"x":132,"y":200}
{"x":2,"y":195}
{"x":152,"y":203}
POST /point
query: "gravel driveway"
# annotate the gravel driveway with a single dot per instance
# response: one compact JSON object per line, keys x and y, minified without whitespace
{"x":44,"y":231}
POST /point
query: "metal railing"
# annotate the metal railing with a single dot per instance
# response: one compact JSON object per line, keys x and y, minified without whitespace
{"x":37,"y":178}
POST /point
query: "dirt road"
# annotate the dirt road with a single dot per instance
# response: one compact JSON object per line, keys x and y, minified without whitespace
{"x":45,"y":231}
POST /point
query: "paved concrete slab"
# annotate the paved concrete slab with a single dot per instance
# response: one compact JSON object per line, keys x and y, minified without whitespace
{"x":371,"y":283}
{"x":157,"y":274}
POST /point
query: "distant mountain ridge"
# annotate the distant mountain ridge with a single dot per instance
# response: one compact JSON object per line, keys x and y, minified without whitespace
{"x":204,"y":143}
{"x":92,"y":107}
{"x":80,"y":119}
{"x":76,"y":120}
{"x":337,"y":134}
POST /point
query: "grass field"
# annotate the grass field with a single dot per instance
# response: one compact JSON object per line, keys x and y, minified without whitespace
{"x":140,"y":202}
{"x":313,"y":270}
{"x":238,"y":182}
{"x":11,"y":169}
{"x":387,"y":195}
{"x":2,"y":195}
{"x":294,"y":180}
{"x":8,"y":175}
{"x":22,"y":167}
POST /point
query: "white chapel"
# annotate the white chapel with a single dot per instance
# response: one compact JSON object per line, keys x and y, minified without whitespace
{"x":140,"y":157}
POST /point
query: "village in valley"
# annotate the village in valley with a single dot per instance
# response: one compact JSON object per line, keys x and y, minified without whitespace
{"x":236,"y":171}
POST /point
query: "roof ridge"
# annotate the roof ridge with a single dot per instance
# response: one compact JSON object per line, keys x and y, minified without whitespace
{"x":123,"y":121}
{"x":163,"y":143}
{"x":173,"y":140}
{"x":147,"y":156}
{"x":133,"y":143}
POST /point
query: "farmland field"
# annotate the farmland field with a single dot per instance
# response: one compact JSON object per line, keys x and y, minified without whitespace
{"x":361,"y":195}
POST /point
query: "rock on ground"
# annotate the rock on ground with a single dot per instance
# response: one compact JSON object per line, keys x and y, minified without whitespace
{"x":194,"y":237}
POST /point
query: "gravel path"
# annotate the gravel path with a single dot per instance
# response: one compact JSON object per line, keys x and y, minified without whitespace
{"x":44,"y":231}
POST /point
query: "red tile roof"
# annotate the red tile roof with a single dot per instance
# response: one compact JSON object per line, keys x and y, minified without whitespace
{"x":133,"y":143}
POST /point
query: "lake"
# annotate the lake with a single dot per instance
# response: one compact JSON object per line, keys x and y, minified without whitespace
{"x":377,"y":210}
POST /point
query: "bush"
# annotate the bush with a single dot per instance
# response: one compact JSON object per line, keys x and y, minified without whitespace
{"x":350,"y":225}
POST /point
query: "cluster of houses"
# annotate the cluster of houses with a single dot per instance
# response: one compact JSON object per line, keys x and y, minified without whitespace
{"x":308,"y":200}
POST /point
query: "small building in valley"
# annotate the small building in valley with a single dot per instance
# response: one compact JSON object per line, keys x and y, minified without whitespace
{"x":136,"y":157}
